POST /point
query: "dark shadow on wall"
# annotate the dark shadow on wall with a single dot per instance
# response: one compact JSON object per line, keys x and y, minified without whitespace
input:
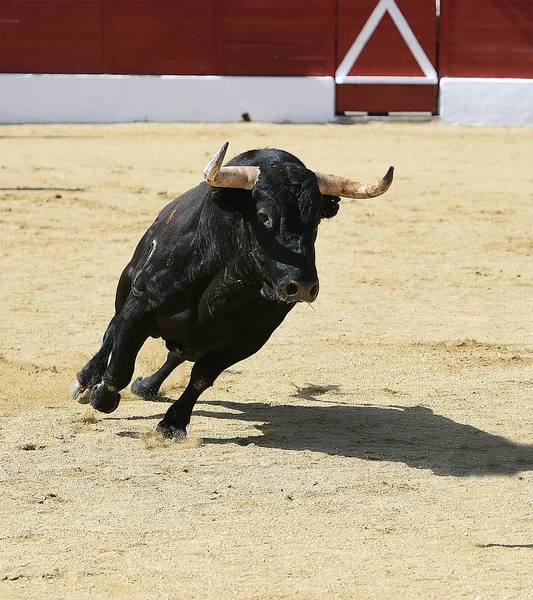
{"x":414,"y":435}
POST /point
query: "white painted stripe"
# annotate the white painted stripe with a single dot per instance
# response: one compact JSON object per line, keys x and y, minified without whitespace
{"x":360,"y":41}
{"x":383,"y":6}
{"x":26,"y":98}
{"x":386,"y":79}
{"x":411,"y":41}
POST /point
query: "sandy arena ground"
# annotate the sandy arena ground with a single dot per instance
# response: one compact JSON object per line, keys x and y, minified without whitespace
{"x":380,"y":446}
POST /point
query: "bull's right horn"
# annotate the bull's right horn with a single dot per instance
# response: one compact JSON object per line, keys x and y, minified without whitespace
{"x":216,"y":175}
{"x":331,"y":185}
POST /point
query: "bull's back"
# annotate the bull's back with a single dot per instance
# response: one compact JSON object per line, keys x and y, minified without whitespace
{"x":170,"y":234}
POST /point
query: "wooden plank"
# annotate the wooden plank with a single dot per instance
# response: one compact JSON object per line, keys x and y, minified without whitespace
{"x":382,"y":99}
{"x":60,"y":36}
{"x":251,"y":37}
{"x":166,"y":37}
{"x":276,"y":37}
{"x":107,"y":37}
{"x":484,"y":38}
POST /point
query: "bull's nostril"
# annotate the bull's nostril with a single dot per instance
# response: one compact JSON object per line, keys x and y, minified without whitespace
{"x":291,"y":289}
{"x":313,"y":292}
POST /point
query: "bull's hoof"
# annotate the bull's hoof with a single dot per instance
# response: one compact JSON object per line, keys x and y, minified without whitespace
{"x":103,"y":399}
{"x":171,"y":432}
{"x":80,"y":393}
{"x":141,"y":387}
{"x":85,"y":397}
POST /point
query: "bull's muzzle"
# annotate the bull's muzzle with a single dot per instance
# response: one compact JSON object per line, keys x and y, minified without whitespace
{"x":298,"y":291}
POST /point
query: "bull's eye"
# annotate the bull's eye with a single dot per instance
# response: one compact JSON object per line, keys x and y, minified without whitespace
{"x":264,"y":218}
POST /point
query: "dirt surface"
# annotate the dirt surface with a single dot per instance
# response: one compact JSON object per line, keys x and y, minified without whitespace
{"x":380,"y":445}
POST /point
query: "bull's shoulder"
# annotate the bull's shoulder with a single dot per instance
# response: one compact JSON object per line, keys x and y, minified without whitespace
{"x":183,"y":210}
{"x":165,"y":248}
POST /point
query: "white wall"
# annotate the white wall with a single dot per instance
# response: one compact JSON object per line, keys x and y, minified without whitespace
{"x":125,"y":98}
{"x":478,"y":101}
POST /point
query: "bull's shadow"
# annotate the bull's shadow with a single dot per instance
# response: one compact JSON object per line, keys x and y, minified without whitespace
{"x":414,"y":435}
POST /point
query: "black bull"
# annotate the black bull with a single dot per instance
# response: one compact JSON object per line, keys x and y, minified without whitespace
{"x":215,"y":275}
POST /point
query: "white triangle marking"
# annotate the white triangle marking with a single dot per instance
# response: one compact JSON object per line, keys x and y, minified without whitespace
{"x":430,"y":74}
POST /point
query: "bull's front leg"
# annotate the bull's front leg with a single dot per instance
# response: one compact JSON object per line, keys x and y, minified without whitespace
{"x":131,"y":331}
{"x":203,"y":375}
{"x":92,"y":372}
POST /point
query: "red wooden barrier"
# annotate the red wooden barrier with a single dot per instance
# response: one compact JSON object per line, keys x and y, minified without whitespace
{"x":182,"y":37}
{"x":275,"y":37}
{"x":160,"y":37}
{"x":107,"y":36}
{"x":485,"y":38}
{"x":383,"y":52}
{"x":63,"y":36}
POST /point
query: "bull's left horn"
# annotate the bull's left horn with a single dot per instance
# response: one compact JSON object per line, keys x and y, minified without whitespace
{"x":216,"y":175}
{"x":332,"y":185}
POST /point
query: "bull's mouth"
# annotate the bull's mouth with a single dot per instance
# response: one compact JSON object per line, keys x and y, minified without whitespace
{"x":269,"y":292}
{"x":272,"y":292}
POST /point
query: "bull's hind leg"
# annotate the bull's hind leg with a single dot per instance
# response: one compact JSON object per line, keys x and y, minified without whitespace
{"x":92,"y":372}
{"x":130,"y":333}
{"x":206,"y":369}
{"x":148,"y":387}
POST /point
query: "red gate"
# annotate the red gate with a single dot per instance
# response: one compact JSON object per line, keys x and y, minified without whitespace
{"x":386,"y":54}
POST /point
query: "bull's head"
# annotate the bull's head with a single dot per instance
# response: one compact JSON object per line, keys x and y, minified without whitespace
{"x":289,"y":203}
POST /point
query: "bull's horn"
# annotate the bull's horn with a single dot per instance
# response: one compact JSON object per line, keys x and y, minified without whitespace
{"x":216,"y":175}
{"x":332,"y":185}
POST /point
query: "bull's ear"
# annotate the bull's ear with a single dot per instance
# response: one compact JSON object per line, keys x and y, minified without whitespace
{"x":331,"y":206}
{"x":231,"y":200}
